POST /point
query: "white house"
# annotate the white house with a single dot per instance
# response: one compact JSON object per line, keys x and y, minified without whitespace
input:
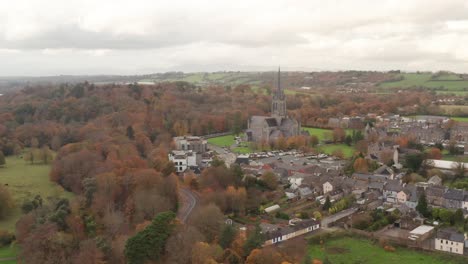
{"x":327,"y":187}
{"x":449,"y":240}
{"x":295,"y":182}
{"x":183,"y":159}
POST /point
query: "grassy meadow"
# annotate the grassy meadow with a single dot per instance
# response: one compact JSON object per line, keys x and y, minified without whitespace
{"x":445,"y":82}
{"x":24,"y":181}
{"x":356,"y":250}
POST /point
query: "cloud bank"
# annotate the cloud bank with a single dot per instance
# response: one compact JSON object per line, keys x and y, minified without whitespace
{"x":49,"y":37}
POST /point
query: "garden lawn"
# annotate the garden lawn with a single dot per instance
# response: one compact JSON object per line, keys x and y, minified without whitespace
{"x":348,"y":151}
{"x":24,"y":181}
{"x":357,"y":250}
{"x":324,"y":134}
{"x":223,"y":141}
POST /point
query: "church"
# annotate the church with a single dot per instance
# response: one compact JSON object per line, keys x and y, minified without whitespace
{"x":271,"y":128}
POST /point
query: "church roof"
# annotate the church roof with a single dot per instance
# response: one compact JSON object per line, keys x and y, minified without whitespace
{"x":271,"y":122}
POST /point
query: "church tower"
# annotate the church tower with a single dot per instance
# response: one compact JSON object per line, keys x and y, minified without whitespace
{"x":278,"y":105}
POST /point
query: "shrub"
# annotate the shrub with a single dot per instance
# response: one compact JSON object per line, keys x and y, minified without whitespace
{"x":6,"y":238}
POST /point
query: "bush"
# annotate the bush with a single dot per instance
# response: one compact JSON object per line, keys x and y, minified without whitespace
{"x":282,"y":215}
{"x":6,"y":238}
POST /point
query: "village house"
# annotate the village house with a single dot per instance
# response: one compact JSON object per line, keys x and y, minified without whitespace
{"x":327,"y":187}
{"x":391,"y":189}
{"x":193,"y":143}
{"x":183,"y":159}
{"x":449,"y":240}
{"x":453,"y":198}
{"x":435,"y":195}
{"x":295,"y":229}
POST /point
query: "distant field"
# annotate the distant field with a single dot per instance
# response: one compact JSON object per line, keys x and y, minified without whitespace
{"x":355,"y":250}
{"x":24,"y":182}
{"x":454,"y":109}
{"x":348,"y":151}
{"x":446,"y":82}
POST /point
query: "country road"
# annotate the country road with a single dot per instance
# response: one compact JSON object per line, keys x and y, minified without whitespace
{"x":188,"y":200}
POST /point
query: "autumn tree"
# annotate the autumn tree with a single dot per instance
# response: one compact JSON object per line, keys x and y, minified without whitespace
{"x":204,"y":253}
{"x":339,"y":135}
{"x":208,"y":219}
{"x":264,"y":255}
{"x":434,"y":153}
{"x":360,"y":165}
{"x":270,"y":180}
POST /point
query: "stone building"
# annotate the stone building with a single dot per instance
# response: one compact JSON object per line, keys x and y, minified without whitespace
{"x":271,"y":128}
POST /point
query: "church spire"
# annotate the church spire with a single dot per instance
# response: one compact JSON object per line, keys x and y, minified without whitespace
{"x":278,"y":105}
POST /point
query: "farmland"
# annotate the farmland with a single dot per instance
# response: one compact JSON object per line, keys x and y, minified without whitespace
{"x":439,"y":82}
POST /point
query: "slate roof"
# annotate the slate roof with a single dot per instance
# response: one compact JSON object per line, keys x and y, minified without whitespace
{"x":271,"y":122}
{"x":454,"y":194}
{"x":450,"y":234}
{"x":393,"y":186}
{"x":281,"y":231}
{"x":437,"y":191}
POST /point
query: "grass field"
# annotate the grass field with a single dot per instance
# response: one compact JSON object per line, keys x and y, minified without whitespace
{"x":8,"y":252}
{"x":460,"y":119}
{"x":322,"y":133}
{"x":446,"y":82}
{"x":355,"y":250}
{"x":24,"y":182}
{"x":223,"y":141}
{"x":348,"y":151}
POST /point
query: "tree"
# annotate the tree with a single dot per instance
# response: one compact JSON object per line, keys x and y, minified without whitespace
{"x":6,"y":202}
{"x":254,"y":240}
{"x":458,"y":218}
{"x":348,"y":140}
{"x":264,"y":255}
{"x":362,"y":146}
{"x":414,"y":161}
{"x":149,"y":244}
{"x":339,"y":135}
{"x":327,"y":204}
{"x":130,"y":133}
{"x":2,"y":159}
{"x":360,"y":165}
{"x":228,"y":234}
{"x":208,"y":220}
{"x":270,"y":180}
{"x":422,"y":205}
{"x":434,"y":153}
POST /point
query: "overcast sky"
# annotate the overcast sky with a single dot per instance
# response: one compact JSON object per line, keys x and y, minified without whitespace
{"x":51,"y":37}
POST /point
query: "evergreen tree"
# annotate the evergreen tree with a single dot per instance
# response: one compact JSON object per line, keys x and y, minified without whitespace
{"x":422,"y":205}
{"x":327,"y":204}
{"x":458,"y":218}
{"x":130,"y":133}
{"x":254,"y":240}
{"x":149,"y":244}
{"x":227,"y":236}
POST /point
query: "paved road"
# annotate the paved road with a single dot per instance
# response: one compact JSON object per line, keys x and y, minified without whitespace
{"x":189,"y":201}
{"x":228,"y":157}
{"x":333,"y":218}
